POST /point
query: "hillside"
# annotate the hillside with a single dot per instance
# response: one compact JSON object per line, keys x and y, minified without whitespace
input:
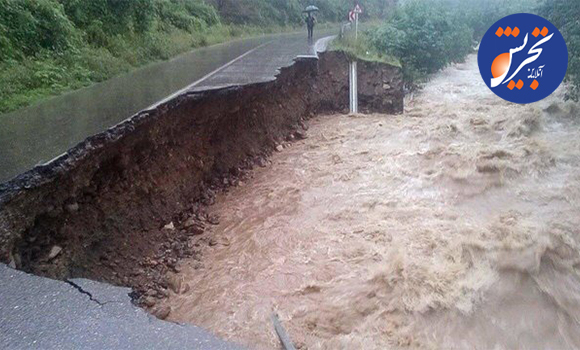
{"x":51,"y":46}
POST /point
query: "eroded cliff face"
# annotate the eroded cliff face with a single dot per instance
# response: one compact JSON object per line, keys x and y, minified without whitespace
{"x":120,"y":206}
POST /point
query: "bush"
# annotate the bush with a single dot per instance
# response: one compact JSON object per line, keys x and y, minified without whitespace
{"x":33,"y":25}
{"x":428,"y":35}
{"x":204,"y":12}
{"x":565,"y":15}
{"x":425,"y":36}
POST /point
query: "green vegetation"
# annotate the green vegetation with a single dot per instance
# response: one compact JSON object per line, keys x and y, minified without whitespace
{"x":565,"y":14}
{"x":51,"y":46}
{"x":268,"y":12}
{"x":362,"y":49}
{"x":426,"y":36}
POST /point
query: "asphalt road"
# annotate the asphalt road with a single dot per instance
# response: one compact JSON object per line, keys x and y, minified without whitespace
{"x":37,"y":134}
{"x":40,"y":313}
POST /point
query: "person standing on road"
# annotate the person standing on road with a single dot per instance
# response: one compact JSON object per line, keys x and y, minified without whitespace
{"x":310,"y":22}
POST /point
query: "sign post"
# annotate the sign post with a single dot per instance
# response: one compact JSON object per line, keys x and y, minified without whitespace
{"x":357,"y":10}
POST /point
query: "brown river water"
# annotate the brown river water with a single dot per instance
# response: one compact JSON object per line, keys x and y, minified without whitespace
{"x":453,"y":226}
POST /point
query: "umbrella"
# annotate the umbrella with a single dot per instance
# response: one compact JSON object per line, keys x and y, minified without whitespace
{"x":311,"y":8}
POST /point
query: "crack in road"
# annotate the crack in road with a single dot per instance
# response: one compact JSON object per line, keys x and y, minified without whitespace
{"x":82,"y":291}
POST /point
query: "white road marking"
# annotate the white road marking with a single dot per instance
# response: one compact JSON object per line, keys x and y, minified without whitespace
{"x":179,"y":92}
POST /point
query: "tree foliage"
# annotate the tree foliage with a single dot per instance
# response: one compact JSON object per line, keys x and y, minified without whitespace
{"x":425,"y":37}
{"x":565,"y":15}
{"x":428,"y":35}
{"x":289,"y":12}
{"x":30,"y":26}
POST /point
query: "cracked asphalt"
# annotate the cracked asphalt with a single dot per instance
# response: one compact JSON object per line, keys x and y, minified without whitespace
{"x":40,"y":313}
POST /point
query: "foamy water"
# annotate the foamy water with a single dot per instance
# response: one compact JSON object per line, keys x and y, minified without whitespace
{"x":453,"y":226}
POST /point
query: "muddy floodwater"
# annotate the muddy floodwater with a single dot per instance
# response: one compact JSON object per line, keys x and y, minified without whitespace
{"x":453,"y":226}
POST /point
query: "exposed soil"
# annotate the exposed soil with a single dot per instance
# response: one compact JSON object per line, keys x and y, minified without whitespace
{"x":122,"y":206}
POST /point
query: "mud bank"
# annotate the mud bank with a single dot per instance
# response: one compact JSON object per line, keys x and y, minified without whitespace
{"x":120,"y":206}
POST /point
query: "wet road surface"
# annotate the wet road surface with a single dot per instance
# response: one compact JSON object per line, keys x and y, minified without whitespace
{"x":40,"y":313}
{"x":452,"y":226}
{"x":39,"y":133}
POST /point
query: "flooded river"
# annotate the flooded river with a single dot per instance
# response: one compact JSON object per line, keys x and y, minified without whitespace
{"x":453,"y":226}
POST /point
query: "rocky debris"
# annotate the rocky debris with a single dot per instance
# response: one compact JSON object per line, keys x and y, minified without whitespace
{"x":54,"y":252}
{"x":279,"y":148}
{"x":72,"y":207}
{"x":213,"y":219}
{"x":174,"y":282}
{"x":300,"y":135}
{"x":197,"y":229}
{"x":262,"y":162}
{"x":170,"y":226}
{"x":156,"y":275}
{"x":149,"y":301}
{"x":189,"y":222}
{"x":161,"y":311}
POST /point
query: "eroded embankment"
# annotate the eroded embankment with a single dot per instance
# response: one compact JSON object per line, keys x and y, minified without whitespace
{"x":102,"y":210}
{"x":452,"y":226}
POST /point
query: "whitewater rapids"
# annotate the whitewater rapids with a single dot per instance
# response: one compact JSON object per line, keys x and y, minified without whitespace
{"x":455,"y":225}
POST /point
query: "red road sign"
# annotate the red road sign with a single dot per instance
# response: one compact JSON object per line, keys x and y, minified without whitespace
{"x":351,"y":16}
